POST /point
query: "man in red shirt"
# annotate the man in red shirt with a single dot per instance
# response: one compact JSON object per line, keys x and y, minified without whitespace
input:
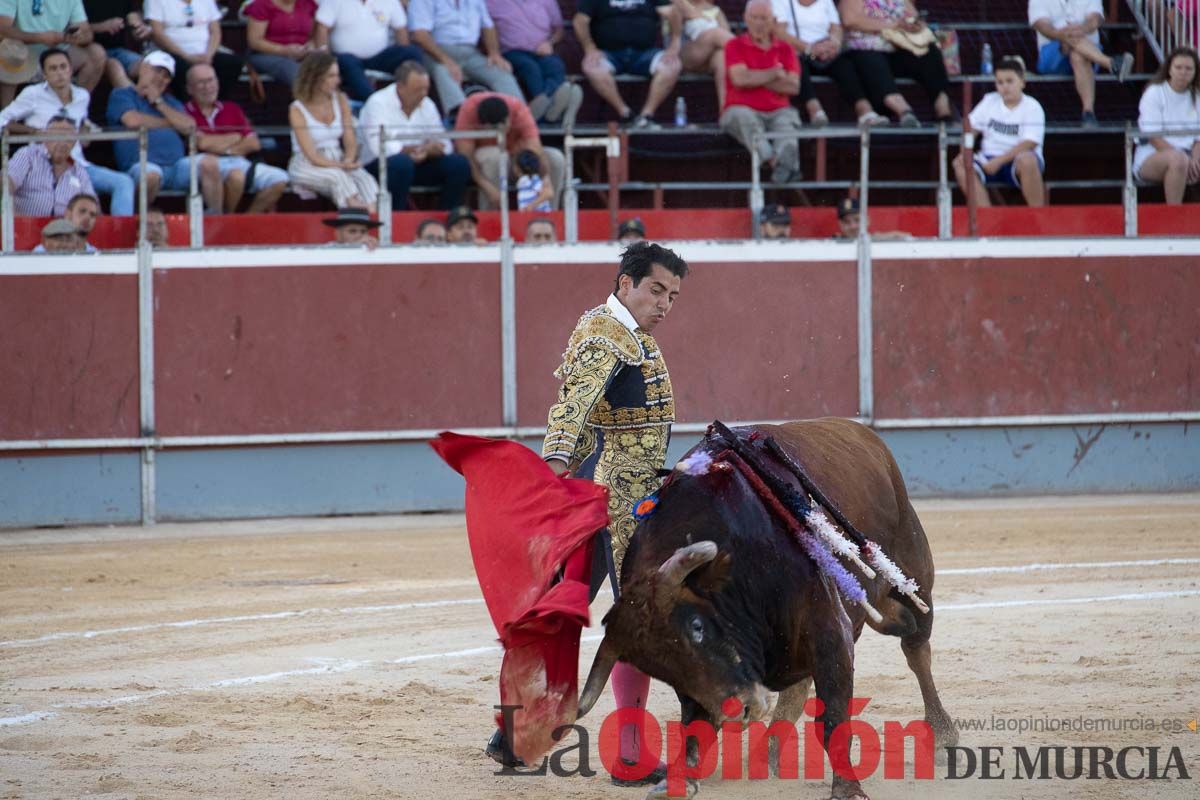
{"x":761,"y":74}
{"x":486,"y":110}
{"x":223,"y":130}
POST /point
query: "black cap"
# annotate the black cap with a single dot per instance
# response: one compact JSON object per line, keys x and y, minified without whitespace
{"x":847,"y":207}
{"x":775,"y":214}
{"x":351,"y":216}
{"x":634,"y":225}
{"x":462,"y":212}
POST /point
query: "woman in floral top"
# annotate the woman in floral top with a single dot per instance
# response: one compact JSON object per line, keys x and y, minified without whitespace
{"x":879,"y":62}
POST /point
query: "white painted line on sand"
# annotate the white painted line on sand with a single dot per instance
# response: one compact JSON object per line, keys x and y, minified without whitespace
{"x":1153,"y":562}
{"x":347,"y":666}
{"x":196,"y":623}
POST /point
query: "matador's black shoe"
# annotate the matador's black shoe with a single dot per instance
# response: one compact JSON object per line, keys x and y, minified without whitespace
{"x":656,"y":776}
{"x":500,"y":752}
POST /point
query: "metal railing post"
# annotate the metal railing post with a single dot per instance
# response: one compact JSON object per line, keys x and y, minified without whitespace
{"x":143,"y":201}
{"x":508,"y":332}
{"x":944,"y":197}
{"x":195,"y":202}
{"x":7,"y":227}
{"x":384,"y":199}
{"x":570,"y":194}
{"x":146,"y":347}
{"x":866,"y":374}
{"x":505,"y":166}
{"x":756,"y":190}
{"x":1129,"y":195}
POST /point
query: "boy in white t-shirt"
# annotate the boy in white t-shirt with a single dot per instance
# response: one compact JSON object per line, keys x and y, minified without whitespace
{"x":1069,"y":43}
{"x":1011,"y":126}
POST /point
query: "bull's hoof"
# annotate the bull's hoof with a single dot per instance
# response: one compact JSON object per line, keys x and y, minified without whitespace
{"x":659,"y":792}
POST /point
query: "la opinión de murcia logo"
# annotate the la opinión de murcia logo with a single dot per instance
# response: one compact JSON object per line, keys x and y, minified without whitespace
{"x":732,"y":739}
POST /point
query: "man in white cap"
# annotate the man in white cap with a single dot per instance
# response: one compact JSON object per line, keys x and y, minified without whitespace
{"x":147,"y":105}
{"x":59,"y":236}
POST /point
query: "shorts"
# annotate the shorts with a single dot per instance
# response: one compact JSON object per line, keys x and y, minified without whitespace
{"x":174,"y":176}
{"x":264,"y":174}
{"x":127,"y":58}
{"x":1053,"y":61}
{"x":634,"y":62}
{"x":1007,"y":176}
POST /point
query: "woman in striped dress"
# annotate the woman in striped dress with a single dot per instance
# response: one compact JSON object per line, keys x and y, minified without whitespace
{"x":324,"y":147}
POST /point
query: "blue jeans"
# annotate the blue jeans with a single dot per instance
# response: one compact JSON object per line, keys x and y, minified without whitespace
{"x":117,"y":185}
{"x":537,"y":74}
{"x":354,"y":69}
{"x":452,"y":172}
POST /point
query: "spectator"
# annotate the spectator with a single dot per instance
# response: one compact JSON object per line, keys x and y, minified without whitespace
{"x":530,"y":185}
{"x":430,"y":231}
{"x":190,"y":30}
{"x":57,"y":96}
{"x":413,"y":153}
{"x":44,"y":177}
{"x":324,"y":148}
{"x":528,"y":31}
{"x":1012,"y":126}
{"x":618,"y":38}
{"x":59,"y":236}
{"x":775,"y":222}
{"x":850,"y":218}
{"x":705,"y":30}
{"x":48,"y":23}
{"x":279,"y":34}
{"x":223,"y":130}
{"x":462,"y":227}
{"x":1171,"y":100}
{"x":540,"y":230}
{"x":762,"y":73}
{"x":82,"y":211}
{"x":157,"y":232}
{"x":449,"y":31}
{"x":148,"y":105}
{"x":353,"y":226}
{"x":1069,"y":43}
{"x":118,"y":27}
{"x":631,"y":230}
{"x":869,"y":24}
{"x":814,"y":29}
{"x":357,"y":32}
{"x":487,"y":110}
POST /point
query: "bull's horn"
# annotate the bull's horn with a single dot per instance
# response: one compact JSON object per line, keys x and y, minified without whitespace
{"x":685,"y":561}
{"x":606,"y":658}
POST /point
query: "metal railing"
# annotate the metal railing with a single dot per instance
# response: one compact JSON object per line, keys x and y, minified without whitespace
{"x":1166,"y":25}
{"x":1133,"y":137}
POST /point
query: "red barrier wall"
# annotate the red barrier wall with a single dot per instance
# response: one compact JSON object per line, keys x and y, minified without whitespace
{"x":770,"y":340}
{"x":721,"y":223}
{"x":1053,"y":336}
{"x":371,"y":345}
{"x":68,"y":356}
{"x":327,"y":348}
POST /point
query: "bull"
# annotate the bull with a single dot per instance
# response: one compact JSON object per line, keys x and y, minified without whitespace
{"x":718,"y":601}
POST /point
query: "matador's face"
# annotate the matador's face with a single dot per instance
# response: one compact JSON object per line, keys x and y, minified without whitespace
{"x":652,"y":298}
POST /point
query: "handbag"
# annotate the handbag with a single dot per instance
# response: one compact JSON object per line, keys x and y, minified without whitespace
{"x":917,"y":43}
{"x":947,"y":42}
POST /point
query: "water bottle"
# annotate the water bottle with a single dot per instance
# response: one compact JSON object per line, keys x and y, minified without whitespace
{"x":985,"y":60}
{"x":680,"y":113}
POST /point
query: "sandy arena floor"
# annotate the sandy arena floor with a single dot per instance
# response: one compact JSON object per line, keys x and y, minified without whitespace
{"x":352,"y":658}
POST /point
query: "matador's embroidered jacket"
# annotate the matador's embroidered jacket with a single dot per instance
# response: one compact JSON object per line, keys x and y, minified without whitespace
{"x":612,"y":421}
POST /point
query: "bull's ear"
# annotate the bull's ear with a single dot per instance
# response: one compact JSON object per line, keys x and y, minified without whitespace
{"x":714,"y":576}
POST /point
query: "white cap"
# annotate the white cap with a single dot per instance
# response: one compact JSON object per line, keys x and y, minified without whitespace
{"x":161,"y":58}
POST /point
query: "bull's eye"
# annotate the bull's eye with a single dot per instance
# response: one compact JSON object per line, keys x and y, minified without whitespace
{"x":697,"y":630}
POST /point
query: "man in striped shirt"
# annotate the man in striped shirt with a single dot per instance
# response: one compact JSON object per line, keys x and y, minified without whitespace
{"x":44,"y":177}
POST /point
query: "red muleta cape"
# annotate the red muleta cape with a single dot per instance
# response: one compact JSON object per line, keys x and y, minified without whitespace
{"x":525,"y":524}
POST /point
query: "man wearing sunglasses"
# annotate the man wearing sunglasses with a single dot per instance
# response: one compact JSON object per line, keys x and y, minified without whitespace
{"x":38,"y":24}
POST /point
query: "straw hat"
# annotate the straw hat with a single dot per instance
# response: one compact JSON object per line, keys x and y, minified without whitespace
{"x":16,"y":64}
